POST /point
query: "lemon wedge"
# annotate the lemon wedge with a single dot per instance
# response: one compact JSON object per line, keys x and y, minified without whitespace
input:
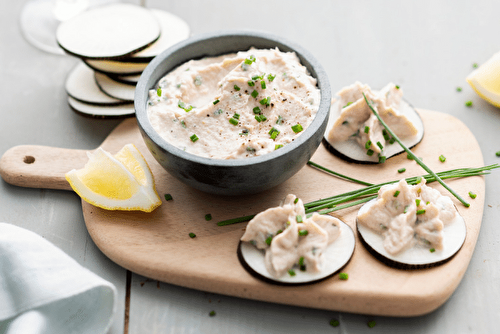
{"x":486,"y":80}
{"x":120,"y":182}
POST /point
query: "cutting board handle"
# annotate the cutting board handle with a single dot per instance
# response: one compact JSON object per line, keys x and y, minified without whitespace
{"x":35,"y":166}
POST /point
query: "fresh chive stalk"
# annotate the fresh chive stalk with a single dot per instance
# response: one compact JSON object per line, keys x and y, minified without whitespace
{"x":310,"y":163}
{"x":363,"y":195}
{"x":424,"y":166}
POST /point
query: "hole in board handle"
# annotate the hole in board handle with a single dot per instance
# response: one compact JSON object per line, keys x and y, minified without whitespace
{"x":29,"y":159}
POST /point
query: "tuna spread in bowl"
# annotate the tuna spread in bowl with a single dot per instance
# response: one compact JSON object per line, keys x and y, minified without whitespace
{"x":250,"y":134}
{"x":236,"y":105}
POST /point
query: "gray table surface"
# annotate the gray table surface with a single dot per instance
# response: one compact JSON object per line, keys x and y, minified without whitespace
{"x":427,"y":47}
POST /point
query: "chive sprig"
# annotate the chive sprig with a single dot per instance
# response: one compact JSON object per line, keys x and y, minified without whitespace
{"x":363,"y":195}
{"x":413,"y":156}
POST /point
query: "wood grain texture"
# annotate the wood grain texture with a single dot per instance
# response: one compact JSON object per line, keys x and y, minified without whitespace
{"x":157,"y":245}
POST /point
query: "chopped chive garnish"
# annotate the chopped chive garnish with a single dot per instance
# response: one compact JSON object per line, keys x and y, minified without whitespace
{"x":427,"y":203}
{"x":420,"y":212}
{"x":279,"y":120}
{"x":168,"y":197}
{"x":266,"y":101}
{"x":417,"y":201}
{"x":397,"y":87}
{"x":218,"y":112}
{"x":192,"y":235}
{"x":372,"y":323}
{"x":237,"y":116}
{"x":367,"y":129}
{"x":382,"y":159}
{"x":379,"y":144}
{"x":279,"y":231}
{"x":194,"y":138}
{"x":198,"y":80}
{"x":297,"y":128}
{"x":216,"y":101}
{"x":459,"y":89}
{"x":406,"y":209}
{"x":345,"y":122}
{"x":208,"y":217}
{"x":233,"y":121}
{"x":475,"y":65}
{"x":255,"y":93}
{"x":212,"y":313}
{"x":236,"y":87}
{"x":347,"y":105}
{"x":256,"y":110}
{"x":299,"y":218}
{"x":368,"y":144}
{"x":419,"y":179}
{"x":432,"y":250}
{"x":334,"y":323}
{"x":302,"y":266}
{"x":497,"y":154}
{"x":182,"y":105}
{"x":268,"y":240}
{"x":392,"y":141}
{"x":251,"y":83}
{"x":401,"y":170}
{"x":274,"y":133}
{"x":468,"y":103}
{"x":344,"y":276}
{"x":419,"y":161}
{"x":250,"y":149}
{"x":472,"y":195}
{"x":271,"y":77}
{"x":369,"y":152}
{"x":258,"y":77}
{"x":442,"y":158}
{"x":260,"y":118}
{"x":291,"y":272}
{"x":158,"y":91}
{"x":296,"y":201}
{"x":303,"y":233}
{"x":263,"y":84}
{"x":248,"y":62}
{"x":277,"y":146}
{"x":183,"y":124}
{"x":396,"y":193}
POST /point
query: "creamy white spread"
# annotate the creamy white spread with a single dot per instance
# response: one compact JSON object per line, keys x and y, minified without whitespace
{"x":407,"y":215}
{"x":289,"y":239}
{"x":236,"y":105}
{"x":357,"y":122}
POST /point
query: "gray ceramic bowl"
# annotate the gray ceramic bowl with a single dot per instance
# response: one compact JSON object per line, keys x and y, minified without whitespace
{"x":236,"y":176}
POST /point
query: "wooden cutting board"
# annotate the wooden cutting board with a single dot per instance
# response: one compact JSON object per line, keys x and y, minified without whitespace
{"x":157,"y":244}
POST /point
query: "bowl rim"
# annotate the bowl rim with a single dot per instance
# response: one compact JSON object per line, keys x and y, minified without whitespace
{"x":140,"y":100}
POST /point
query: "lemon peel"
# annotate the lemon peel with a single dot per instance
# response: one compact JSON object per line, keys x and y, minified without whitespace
{"x":485,"y":80}
{"x":120,"y":182}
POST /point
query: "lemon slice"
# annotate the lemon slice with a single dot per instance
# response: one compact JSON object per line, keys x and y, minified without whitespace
{"x":486,"y":80}
{"x":120,"y":182}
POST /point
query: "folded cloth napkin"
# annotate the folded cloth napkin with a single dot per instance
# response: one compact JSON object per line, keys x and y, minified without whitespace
{"x":43,"y":290}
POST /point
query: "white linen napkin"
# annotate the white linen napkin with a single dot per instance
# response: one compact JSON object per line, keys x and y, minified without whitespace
{"x":43,"y":290}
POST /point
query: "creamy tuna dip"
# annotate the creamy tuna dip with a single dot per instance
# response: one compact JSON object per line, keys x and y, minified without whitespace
{"x":356,"y":122}
{"x":234,"y":106}
{"x":289,"y":239}
{"x":406,"y":215}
